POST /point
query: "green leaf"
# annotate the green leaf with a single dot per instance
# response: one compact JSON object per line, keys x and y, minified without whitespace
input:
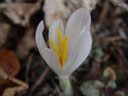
{"x":92,"y":88}
{"x":120,"y":93}
{"x":112,"y":84}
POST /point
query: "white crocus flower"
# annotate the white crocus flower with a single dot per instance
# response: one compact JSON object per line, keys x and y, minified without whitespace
{"x":69,"y":46}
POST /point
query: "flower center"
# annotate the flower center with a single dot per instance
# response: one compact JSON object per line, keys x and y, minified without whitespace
{"x":62,"y":52}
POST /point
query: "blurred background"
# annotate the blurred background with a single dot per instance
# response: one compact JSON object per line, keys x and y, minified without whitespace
{"x":105,"y":71}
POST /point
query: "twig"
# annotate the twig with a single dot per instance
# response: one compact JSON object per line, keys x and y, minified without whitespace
{"x":39,"y":81}
{"x":122,"y":55}
{"x":28,"y":64}
{"x":112,"y":39}
{"x":108,"y":39}
{"x":104,"y":11}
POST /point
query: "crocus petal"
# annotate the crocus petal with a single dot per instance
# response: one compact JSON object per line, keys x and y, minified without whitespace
{"x":39,"y":38}
{"x":76,"y":22}
{"x":80,"y":51}
{"x":53,"y":31}
{"x":48,"y":54}
{"x":51,"y":59}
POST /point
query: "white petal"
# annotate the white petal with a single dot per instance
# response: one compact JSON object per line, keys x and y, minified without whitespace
{"x":48,"y":55}
{"x":76,"y":22}
{"x":80,"y":51}
{"x":53,"y":31}
{"x":52,"y":61}
{"x":39,"y":38}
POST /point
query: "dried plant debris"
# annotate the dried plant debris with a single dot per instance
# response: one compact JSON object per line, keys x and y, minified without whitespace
{"x":4,"y":31}
{"x":120,"y":3}
{"x":109,"y":72}
{"x":90,"y":4}
{"x":62,"y":9}
{"x":55,"y":10}
{"x":98,"y":88}
{"x":12,"y":87}
{"x":19,"y":12}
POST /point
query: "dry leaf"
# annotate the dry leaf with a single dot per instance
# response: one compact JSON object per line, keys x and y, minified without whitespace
{"x":9,"y":62}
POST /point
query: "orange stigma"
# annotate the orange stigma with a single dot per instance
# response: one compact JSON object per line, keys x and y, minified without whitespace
{"x":61,"y":62}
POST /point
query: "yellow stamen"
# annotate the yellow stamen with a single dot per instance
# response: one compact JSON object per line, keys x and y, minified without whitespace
{"x":64,"y":52}
{"x":54,"y":48}
{"x":62,"y":56}
{"x":60,"y":41}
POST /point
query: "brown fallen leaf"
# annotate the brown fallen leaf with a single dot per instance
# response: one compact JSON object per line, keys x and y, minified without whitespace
{"x":9,"y":62}
{"x":12,"y":87}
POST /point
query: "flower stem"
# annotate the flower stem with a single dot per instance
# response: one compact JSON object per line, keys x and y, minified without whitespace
{"x":66,"y":86}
